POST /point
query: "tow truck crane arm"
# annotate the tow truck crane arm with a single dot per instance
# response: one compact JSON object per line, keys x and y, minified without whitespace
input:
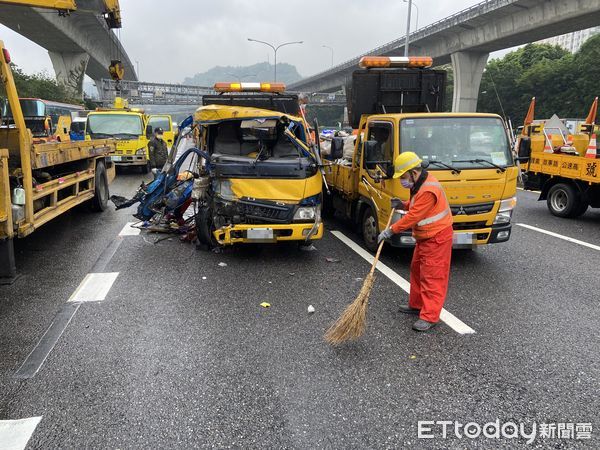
{"x":111,"y":9}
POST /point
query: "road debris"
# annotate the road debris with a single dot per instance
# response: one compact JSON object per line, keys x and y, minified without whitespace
{"x":265,"y":305}
{"x":311,"y":309}
{"x":332,"y":260}
{"x":222,"y":264}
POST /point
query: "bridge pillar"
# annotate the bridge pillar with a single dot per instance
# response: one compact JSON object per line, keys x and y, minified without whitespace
{"x":468,"y":70}
{"x":70,"y":70}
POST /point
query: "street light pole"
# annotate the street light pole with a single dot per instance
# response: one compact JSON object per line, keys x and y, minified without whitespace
{"x":330,"y":48}
{"x":417,"y":18}
{"x":407,"y":29}
{"x":275,"y":50}
{"x":137,"y":63}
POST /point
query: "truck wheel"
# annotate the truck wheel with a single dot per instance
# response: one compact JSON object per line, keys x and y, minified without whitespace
{"x":580,"y":211}
{"x":205,"y":228}
{"x":101,"y":194}
{"x":563,"y":200}
{"x":370,"y":229}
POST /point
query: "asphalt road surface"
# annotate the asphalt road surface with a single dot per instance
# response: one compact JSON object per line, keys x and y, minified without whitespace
{"x":176,"y":351}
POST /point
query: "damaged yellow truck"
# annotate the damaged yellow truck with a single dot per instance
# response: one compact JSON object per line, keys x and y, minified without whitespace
{"x":263,"y":183}
{"x":40,"y":181}
{"x":395,"y":103}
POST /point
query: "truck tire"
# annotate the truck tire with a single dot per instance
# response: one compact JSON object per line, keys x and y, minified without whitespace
{"x":205,"y":228}
{"x":101,"y":194}
{"x":564,"y":200}
{"x":145,"y":169}
{"x":583,"y":207}
{"x":370,"y":229}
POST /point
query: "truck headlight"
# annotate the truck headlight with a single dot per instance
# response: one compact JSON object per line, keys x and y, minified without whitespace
{"x":505,"y":211}
{"x":140,"y":152}
{"x":305,"y":213}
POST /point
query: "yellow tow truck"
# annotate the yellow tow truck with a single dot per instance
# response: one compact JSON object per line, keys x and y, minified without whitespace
{"x":564,"y":168}
{"x":263,"y":183}
{"x":132,"y":128}
{"x":394,"y":104}
{"x":40,"y":180}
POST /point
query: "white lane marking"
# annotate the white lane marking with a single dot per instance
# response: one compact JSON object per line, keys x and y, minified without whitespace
{"x":14,"y":434}
{"x":128,"y":230}
{"x":94,"y":287}
{"x":449,"y":319}
{"x":560,"y":236}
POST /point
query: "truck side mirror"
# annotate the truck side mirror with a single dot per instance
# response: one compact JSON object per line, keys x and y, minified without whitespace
{"x":524,"y":149}
{"x":370,"y":156}
{"x":149,"y":131}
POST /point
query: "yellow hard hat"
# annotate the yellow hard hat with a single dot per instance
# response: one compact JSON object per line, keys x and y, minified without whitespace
{"x":404,"y":162}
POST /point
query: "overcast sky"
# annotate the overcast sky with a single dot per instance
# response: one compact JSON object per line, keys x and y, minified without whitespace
{"x":178,"y":38}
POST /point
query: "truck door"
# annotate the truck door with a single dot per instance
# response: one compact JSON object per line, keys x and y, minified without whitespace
{"x":378,"y":173}
{"x":164,"y":122}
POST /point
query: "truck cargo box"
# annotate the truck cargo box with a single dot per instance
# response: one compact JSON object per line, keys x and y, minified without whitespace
{"x":395,"y":91}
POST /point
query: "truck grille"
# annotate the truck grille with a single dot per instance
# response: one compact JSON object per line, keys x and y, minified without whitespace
{"x":258,"y":212}
{"x":468,"y":210}
{"x":469,"y":225}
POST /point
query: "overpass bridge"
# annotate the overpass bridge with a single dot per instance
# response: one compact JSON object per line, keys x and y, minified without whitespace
{"x":466,"y":39}
{"x":78,"y":43}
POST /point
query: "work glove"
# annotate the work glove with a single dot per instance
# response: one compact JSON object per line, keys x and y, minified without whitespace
{"x":384,"y":235}
{"x":397,"y":203}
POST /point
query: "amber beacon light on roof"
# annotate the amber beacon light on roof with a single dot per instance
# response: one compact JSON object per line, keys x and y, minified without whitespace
{"x":250,"y":87}
{"x":374,"y":62}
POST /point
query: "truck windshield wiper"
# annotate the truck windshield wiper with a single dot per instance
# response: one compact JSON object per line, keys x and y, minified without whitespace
{"x":481,"y":161}
{"x":447,"y":166}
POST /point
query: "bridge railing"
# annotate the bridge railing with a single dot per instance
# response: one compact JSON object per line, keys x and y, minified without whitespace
{"x":455,"y":19}
{"x":139,"y":92}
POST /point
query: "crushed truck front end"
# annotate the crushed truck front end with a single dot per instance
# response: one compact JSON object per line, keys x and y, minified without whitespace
{"x":263,"y":183}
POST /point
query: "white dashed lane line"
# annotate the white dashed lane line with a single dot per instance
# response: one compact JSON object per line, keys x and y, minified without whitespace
{"x":128,"y":230}
{"x":559,"y":236}
{"x":15,"y":434}
{"x":94,"y":287}
{"x":448,"y":318}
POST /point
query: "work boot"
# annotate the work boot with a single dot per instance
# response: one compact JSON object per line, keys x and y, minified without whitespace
{"x":405,"y":309}
{"x":423,"y":325}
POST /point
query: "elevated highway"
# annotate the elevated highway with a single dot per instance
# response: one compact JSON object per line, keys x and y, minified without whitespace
{"x":467,"y":38}
{"x":78,"y":43}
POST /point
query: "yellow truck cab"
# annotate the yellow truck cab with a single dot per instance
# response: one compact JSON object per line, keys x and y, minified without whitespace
{"x":265,"y":184}
{"x":130,"y":127}
{"x":564,"y":167}
{"x":468,"y":153}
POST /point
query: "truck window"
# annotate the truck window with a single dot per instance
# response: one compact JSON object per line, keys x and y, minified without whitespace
{"x":383,"y":133}
{"x":160,"y":122}
{"x":120,"y":126}
{"x":453,"y":139}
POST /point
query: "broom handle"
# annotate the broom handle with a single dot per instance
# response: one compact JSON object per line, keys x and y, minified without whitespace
{"x":376,"y":260}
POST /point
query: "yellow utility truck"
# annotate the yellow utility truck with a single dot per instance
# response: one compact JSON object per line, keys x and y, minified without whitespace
{"x":564,"y":167}
{"x":394,"y":104}
{"x":41,"y":181}
{"x":262,"y":182}
{"x":132,"y":128}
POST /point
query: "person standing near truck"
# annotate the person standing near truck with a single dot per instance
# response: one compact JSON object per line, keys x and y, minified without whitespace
{"x":157,"y":150}
{"x":430,"y":218}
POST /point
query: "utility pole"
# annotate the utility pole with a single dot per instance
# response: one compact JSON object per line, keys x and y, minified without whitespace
{"x":407,"y":29}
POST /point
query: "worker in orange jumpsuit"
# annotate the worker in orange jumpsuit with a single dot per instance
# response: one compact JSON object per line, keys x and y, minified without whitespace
{"x":430,"y":219}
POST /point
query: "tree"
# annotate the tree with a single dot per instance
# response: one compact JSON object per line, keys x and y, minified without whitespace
{"x":39,"y":85}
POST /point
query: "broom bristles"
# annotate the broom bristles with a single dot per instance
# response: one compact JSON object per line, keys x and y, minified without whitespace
{"x":351,"y":324}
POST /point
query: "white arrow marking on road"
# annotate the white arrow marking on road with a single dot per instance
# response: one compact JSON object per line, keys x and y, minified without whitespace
{"x":560,"y":236}
{"x":449,"y":319}
{"x":94,"y":287}
{"x":128,"y":230}
{"x":15,"y":434}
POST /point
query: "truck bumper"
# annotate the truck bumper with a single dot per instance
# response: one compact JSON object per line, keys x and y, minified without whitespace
{"x":267,"y":233}
{"x":129,"y":160}
{"x":462,"y":239}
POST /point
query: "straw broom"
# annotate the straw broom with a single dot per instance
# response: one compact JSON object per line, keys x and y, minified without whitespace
{"x":351,"y":324}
